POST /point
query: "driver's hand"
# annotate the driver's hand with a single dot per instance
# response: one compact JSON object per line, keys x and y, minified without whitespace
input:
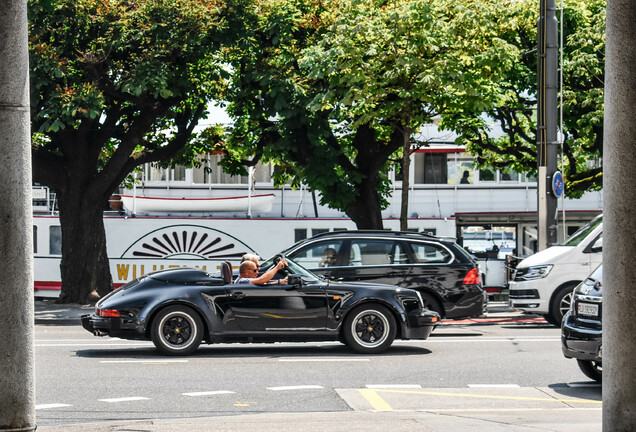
{"x":282,"y":263}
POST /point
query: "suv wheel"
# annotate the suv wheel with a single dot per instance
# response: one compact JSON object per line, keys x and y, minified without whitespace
{"x":431,"y":303}
{"x":560,"y":304}
{"x":591,"y":369}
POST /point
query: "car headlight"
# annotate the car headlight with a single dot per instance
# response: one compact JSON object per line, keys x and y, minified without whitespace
{"x":534,"y":272}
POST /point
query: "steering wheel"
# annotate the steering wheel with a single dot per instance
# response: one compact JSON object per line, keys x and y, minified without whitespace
{"x":285,"y":270}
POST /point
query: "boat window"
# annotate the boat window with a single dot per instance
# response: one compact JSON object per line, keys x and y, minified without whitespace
{"x":508,"y":175}
{"x":300,"y":234}
{"x":487,"y":175}
{"x":430,"y":168}
{"x":35,"y":239}
{"x":55,"y":240}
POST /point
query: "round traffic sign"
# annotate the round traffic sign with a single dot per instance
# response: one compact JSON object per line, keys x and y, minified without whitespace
{"x":557,"y":184}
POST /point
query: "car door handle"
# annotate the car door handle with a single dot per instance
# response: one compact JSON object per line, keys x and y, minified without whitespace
{"x":238,"y":295}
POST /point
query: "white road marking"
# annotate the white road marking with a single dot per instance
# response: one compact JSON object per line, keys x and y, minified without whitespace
{"x":478,"y":339}
{"x":144,"y":361}
{"x":493,"y":386}
{"x":323,"y":360}
{"x":304,"y":387}
{"x":53,"y":405}
{"x":124,"y":399}
{"x":209,"y":393}
{"x":107,"y":344}
{"x":393,"y":386}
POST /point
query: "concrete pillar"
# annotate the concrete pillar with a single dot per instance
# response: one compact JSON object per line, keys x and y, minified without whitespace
{"x":619,"y":219}
{"x":17,"y":370}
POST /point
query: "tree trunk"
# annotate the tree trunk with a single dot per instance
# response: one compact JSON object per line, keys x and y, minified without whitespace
{"x":405,"y":168}
{"x":365,"y":211}
{"x":84,"y":268}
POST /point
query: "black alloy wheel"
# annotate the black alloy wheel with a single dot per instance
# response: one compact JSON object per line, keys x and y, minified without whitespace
{"x":369,"y":329}
{"x":177,"y":330}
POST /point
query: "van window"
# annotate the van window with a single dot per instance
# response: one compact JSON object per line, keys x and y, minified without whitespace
{"x":582,"y":233}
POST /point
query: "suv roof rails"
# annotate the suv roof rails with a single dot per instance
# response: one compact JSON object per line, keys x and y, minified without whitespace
{"x":382,"y":232}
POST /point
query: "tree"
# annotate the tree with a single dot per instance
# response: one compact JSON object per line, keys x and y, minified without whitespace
{"x":334,"y":94}
{"x":115,"y":84}
{"x":515,"y":110}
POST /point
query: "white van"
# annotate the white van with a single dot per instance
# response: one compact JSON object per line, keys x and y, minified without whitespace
{"x":543,"y":282}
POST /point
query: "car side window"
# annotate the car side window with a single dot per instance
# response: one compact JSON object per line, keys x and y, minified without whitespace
{"x":428,"y":253}
{"x":320,"y":254}
{"x":371,"y":252}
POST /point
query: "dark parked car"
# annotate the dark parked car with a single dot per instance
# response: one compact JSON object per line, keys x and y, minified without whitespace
{"x":179,"y":308}
{"x":581,"y":331}
{"x":444,"y":274}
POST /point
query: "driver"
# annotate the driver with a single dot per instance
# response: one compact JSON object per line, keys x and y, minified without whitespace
{"x":248,"y":273}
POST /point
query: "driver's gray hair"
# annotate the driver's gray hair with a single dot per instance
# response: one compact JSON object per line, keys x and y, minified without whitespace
{"x":250,"y":257}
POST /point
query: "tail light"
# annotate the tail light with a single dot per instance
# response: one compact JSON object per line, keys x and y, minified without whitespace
{"x":108,"y":313}
{"x":473,"y":277}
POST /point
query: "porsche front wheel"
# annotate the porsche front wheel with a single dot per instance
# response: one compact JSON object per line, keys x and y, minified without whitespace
{"x":369,"y":329}
{"x":177,"y":330}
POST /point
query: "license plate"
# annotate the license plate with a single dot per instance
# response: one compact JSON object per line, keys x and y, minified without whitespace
{"x":588,"y":309}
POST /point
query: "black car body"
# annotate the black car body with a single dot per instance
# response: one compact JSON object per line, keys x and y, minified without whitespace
{"x":581,"y":328}
{"x":179,"y":308}
{"x":443,"y":272}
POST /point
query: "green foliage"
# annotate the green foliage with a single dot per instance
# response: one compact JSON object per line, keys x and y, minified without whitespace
{"x":331,"y":92}
{"x":515,"y":110}
{"x":116,"y":84}
{"x":123,"y":72}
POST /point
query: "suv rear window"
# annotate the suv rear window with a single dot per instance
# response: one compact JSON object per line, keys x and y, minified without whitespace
{"x":426,"y":253}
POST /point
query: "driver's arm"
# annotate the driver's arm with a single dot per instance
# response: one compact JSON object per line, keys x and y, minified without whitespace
{"x":269,"y":274}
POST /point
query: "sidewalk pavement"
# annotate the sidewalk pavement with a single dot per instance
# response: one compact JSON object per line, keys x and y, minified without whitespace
{"x":47,"y":312}
{"x":479,"y":420}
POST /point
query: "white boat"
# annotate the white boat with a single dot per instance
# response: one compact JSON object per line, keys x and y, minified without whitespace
{"x":145,"y":204}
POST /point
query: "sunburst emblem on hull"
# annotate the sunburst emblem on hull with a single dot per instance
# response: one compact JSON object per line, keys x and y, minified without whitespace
{"x":187,"y":241}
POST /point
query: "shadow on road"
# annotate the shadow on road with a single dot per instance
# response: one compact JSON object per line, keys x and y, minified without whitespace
{"x":220,"y":351}
{"x":585,"y":390}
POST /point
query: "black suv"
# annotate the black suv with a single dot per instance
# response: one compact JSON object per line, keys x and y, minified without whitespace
{"x":582,"y":330}
{"x":442,"y":271}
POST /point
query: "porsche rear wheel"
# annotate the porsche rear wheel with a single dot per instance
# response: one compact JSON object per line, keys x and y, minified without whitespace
{"x":369,"y":329}
{"x":177,"y":330}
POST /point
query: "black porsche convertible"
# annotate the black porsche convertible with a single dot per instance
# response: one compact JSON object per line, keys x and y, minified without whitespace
{"x":179,"y":308}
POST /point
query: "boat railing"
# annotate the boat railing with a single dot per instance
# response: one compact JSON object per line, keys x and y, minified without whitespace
{"x":44,"y":200}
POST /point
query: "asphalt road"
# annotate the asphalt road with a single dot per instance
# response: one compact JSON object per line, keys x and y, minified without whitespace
{"x":504,"y":368}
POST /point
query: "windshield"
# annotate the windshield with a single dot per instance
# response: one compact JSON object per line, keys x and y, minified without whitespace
{"x":294,"y":268}
{"x":583,"y":232}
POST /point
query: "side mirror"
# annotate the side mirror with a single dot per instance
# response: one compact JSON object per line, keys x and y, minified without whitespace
{"x":598,"y":245}
{"x":294,"y":280}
